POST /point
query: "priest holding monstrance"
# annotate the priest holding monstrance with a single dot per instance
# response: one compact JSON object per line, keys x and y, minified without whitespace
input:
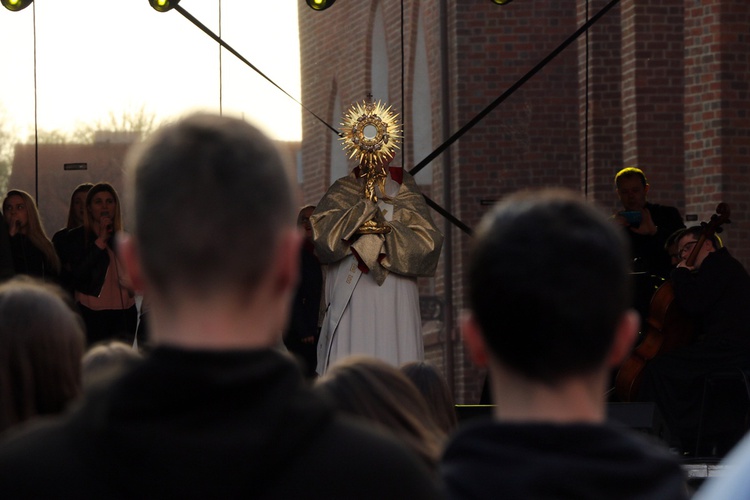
{"x":374,"y":231}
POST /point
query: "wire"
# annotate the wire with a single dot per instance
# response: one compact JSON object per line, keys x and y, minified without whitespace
{"x":533,"y":71}
{"x":36,"y":115}
{"x":216,"y":38}
{"x":403,"y":103}
{"x":586,"y":118}
{"x":221,"y":72}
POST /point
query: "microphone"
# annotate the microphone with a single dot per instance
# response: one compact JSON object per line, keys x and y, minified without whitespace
{"x":108,"y":226}
{"x":18,"y":225}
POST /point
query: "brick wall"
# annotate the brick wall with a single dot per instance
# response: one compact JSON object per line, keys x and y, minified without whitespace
{"x":665,"y":88}
{"x":652,"y":95}
{"x":717,"y":115}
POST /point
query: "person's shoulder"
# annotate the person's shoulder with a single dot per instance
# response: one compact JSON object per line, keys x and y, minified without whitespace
{"x":373,"y":447}
{"x":75,"y":234}
{"x":364,"y":463}
{"x":39,"y":445}
{"x":518,"y":456}
{"x":664,"y":210}
{"x":60,"y":234}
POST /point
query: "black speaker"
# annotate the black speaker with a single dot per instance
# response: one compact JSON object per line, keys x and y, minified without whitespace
{"x":642,"y":417}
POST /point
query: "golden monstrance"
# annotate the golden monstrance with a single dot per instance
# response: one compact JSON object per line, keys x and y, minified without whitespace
{"x":371,"y":134}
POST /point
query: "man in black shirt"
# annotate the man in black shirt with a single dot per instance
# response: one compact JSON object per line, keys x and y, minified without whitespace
{"x":648,"y":224}
{"x":549,"y":317}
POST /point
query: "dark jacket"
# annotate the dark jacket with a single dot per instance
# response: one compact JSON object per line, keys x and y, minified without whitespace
{"x":487,"y":459}
{"x":718,"y":296}
{"x":7,"y":269}
{"x":88,"y":262}
{"x":203,"y":424}
{"x":648,"y":251}
{"x":306,"y":305}
{"x":29,"y":260}
{"x":62,"y":243}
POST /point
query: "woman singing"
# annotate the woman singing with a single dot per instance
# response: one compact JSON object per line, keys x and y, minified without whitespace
{"x":61,"y":239}
{"x":32,"y":251}
{"x":103,"y":295}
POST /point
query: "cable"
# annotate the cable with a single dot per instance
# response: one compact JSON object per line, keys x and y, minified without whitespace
{"x":586,"y":119}
{"x":221,"y":72}
{"x":403,"y":102}
{"x":210,"y":33}
{"x":533,"y":71}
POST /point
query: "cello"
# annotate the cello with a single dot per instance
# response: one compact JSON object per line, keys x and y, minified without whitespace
{"x":667,"y":327}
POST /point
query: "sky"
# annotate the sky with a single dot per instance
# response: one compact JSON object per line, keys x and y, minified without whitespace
{"x":96,"y":57}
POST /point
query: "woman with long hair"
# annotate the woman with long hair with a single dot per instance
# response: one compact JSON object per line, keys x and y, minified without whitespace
{"x":103,"y":294}
{"x":33,"y":253}
{"x":371,"y":389}
{"x":432,"y":385}
{"x":61,"y":240}
{"x":41,"y":345}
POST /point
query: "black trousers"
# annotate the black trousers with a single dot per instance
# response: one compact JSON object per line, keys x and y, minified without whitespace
{"x":109,"y":324}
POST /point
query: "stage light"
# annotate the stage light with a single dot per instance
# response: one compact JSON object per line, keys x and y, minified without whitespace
{"x":163,"y":5}
{"x":320,"y":4}
{"x":16,"y":5}
{"x":501,"y":2}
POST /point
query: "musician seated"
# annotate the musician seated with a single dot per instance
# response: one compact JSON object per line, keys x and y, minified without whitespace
{"x":715,"y":293}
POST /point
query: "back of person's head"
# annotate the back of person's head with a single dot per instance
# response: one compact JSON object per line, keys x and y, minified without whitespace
{"x":41,"y":345}
{"x":209,"y":196}
{"x":378,"y":392}
{"x":549,"y":283}
{"x":434,"y":388}
{"x":105,"y":358}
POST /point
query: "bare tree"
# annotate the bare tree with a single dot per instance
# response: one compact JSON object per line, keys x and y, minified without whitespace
{"x":54,"y":136}
{"x":7,"y":144}
{"x":139,"y":121}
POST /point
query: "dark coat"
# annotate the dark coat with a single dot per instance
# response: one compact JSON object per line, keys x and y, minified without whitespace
{"x":205,"y":424}
{"x":88,"y":263}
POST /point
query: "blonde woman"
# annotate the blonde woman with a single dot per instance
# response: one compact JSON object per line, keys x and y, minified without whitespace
{"x":102,"y":292}
{"x":33,"y":253}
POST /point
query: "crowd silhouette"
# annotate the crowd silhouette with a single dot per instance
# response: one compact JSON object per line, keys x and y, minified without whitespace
{"x":212,"y":403}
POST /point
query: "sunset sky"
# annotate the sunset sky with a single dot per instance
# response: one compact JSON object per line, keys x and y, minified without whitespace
{"x":100,"y":56}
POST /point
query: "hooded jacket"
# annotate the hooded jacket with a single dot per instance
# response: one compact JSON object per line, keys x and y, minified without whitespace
{"x":545,"y":461}
{"x":199,"y":424}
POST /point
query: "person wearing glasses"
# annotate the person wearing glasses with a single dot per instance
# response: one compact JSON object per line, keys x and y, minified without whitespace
{"x":715,"y":293}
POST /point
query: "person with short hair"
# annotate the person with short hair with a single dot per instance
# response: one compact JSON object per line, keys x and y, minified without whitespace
{"x":104,"y":357}
{"x":214,"y":410}
{"x":549,"y":316}
{"x":714,"y":294}
{"x":647,"y":225}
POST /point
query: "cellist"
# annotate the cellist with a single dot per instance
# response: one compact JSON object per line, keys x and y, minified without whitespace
{"x":715,"y":293}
